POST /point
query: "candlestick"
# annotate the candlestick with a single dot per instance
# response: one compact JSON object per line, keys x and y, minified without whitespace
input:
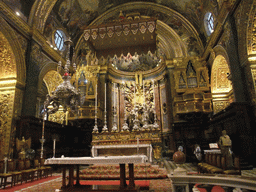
{"x":144,"y":92}
{"x":134,"y":93}
{"x":105,"y":96}
{"x":114,"y":128}
{"x":138,"y":141}
{"x":42,"y":140}
{"x":95,"y":129}
{"x":155,"y":125}
{"x":125,"y":125}
{"x":105,"y":128}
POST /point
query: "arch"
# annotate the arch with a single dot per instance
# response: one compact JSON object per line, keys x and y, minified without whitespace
{"x":221,"y":85}
{"x":12,"y":80}
{"x":219,"y":76}
{"x":11,"y":38}
{"x":54,"y":77}
{"x":40,"y":11}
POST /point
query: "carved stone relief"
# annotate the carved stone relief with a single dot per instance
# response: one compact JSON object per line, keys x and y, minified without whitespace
{"x":52,"y":79}
{"x":251,"y":39}
{"x":219,"y":106}
{"x":6,"y":109}
{"x":7,"y":60}
{"x":220,"y":69}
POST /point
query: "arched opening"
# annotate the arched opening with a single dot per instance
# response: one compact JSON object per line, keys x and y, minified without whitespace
{"x":222,"y":91}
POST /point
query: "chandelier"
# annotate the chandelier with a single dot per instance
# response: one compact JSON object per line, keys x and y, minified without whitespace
{"x":65,"y":94}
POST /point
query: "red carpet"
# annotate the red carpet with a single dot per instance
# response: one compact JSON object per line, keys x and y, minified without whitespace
{"x":28,"y":184}
{"x":142,"y":183}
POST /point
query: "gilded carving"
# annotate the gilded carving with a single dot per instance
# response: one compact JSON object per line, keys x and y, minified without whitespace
{"x":253,"y":71}
{"x":6,"y":108}
{"x":251,"y":38}
{"x":42,"y":12}
{"x":220,"y":105}
{"x":58,"y":117}
{"x":220,"y":69}
{"x":7,"y":59}
{"x":52,"y":79}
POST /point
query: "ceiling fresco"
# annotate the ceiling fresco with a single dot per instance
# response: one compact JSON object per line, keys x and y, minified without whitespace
{"x":76,"y":15}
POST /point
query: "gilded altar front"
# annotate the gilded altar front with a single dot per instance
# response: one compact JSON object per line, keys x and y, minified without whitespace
{"x":126,"y":143}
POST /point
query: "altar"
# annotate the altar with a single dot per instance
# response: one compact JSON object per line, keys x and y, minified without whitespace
{"x":124,"y":143}
{"x":72,"y":162}
{"x":130,"y":149}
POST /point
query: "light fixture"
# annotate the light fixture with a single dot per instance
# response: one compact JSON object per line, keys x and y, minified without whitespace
{"x":65,"y":94}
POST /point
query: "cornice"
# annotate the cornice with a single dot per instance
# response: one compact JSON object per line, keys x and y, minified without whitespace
{"x":50,"y":52}
{"x":28,"y":32}
{"x":8,"y":14}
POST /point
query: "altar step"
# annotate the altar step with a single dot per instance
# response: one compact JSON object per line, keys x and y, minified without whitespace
{"x":99,"y":188}
{"x":112,"y":172}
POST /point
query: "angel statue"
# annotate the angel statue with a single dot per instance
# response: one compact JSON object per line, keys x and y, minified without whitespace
{"x":22,"y":145}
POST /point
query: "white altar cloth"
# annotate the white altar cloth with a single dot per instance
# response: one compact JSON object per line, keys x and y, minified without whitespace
{"x":97,"y":160}
{"x":148,"y":148}
{"x":71,"y":162}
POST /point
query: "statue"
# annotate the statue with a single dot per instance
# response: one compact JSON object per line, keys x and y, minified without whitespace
{"x":22,"y":145}
{"x":225,"y":144}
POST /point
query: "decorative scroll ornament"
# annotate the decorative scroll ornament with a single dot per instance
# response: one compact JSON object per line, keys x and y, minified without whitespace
{"x":118,"y":30}
{"x":86,"y":34}
{"x":94,"y":33}
{"x":110,"y":31}
{"x":102,"y":32}
{"x":151,"y":26}
{"x":126,"y":29}
{"x":134,"y":28}
{"x":143,"y":27}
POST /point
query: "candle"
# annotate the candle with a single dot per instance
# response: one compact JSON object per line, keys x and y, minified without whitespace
{"x":105,"y":96}
{"x":138,"y":145}
{"x":54,"y":145}
{"x":114,"y":96}
{"x":144,"y":92}
{"x":134,"y":93}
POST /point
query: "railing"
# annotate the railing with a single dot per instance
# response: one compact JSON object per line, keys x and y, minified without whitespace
{"x":184,"y":182}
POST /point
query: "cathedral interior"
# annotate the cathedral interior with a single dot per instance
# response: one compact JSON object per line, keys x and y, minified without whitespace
{"x":92,"y":74}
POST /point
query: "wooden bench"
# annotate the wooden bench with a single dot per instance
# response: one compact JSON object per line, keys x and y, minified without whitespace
{"x":216,"y":164}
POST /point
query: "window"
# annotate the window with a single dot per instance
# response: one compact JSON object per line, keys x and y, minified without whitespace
{"x":59,"y":39}
{"x":209,"y":23}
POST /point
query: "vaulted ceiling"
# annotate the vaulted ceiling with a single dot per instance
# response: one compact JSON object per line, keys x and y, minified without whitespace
{"x":178,"y":21}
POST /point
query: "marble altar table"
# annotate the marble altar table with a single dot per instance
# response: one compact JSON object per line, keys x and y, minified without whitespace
{"x":70,"y":162}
